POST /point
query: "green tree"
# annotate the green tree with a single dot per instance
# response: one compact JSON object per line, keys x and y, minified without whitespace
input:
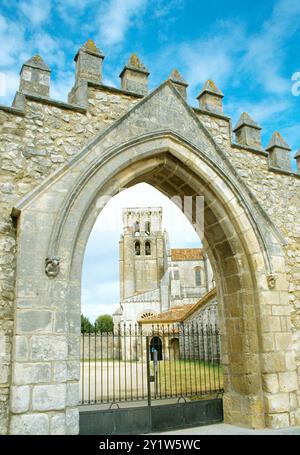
{"x":104,"y":323}
{"x":86,"y":325}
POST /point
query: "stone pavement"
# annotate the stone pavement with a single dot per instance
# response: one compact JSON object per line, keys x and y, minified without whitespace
{"x":226,"y":429}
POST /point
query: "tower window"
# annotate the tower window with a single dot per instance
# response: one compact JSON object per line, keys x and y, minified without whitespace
{"x":147,"y":249}
{"x":137,"y":248}
{"x":147,"y":227}
{"x":176,"y":274}
{"x":197,"y":276}
{"x":137,"y":226}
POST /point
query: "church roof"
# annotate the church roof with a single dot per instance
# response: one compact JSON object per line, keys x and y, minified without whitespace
{"x":179,"y":313}
{"x":174,"y":314}
{"x":186,"y":254}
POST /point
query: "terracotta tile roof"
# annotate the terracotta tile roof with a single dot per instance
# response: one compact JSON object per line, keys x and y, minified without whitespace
{"x":174,"y":314}
{"x":179,"y":313}
{"x":186,"y":254}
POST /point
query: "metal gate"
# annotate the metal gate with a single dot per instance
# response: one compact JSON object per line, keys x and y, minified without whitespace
{"x":136,"y":380}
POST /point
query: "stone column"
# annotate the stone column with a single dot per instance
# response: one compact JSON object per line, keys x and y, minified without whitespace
{"x":134,"y":76}
{"x":178,"y":82}
{"x":210,"y":97}
{"x":247,"y":131}
{"x":279,"y":152}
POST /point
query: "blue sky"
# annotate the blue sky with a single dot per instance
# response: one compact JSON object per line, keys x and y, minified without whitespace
{"x":250,"y":49}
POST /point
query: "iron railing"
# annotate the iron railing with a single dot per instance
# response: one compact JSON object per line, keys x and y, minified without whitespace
{"x":134,"y":362}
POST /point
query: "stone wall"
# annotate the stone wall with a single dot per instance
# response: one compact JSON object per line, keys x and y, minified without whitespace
{"x":39,"y":136}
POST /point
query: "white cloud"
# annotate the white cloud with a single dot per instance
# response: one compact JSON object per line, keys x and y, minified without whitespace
{"x":116,"y":19}
{"x":12,"y":41}
{"x":265,"y":51}
{"x":260,"y":111}
{"x":36,"y":11}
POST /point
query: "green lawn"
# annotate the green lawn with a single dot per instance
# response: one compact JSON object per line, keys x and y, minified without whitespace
{"x":176,"y":377}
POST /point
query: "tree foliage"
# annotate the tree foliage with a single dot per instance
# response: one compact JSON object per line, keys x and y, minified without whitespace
{"x":104,"y":323}
{"x":86,"y":325}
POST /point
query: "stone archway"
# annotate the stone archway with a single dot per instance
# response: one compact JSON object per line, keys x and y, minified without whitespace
{"x":244,"y":249}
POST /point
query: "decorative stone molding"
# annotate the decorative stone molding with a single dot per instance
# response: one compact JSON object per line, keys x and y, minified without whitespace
{"x":52,"y":266}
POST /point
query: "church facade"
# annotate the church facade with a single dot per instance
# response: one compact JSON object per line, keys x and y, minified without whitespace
{"x":154,"y":278}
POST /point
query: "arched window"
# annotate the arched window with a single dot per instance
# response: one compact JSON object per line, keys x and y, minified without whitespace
{"x":137,"y":248}
{"x":147,"y":227}
{"x":147,"y":249}
{"x":197,"y":276}
{"x":137,"y":226}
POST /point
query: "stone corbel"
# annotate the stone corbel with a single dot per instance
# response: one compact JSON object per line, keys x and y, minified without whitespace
{"x":271,"y":280}
{"x":52,"y":266}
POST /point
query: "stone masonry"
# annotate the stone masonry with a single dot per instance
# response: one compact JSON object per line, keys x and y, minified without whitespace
{"x":58,"y":162}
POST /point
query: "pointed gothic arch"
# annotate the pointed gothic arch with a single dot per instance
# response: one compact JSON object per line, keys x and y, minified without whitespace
{"x":245,"y":250}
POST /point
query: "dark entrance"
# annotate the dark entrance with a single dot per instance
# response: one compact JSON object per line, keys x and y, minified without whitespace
{"x":134,"y":382}
{"x":156,"y":345}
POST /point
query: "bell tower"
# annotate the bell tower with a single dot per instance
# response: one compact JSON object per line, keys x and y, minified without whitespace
{"x":141,"y":251}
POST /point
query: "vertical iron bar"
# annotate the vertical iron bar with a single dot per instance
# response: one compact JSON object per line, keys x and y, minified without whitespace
{"x":175,"y":363}
{"x":113,"y":360}
{"x":107,"y":372}
{"x":213,"y":357}
{"x":119,"y":355}
{"x":142,"y":362}
{"x":82,"y":373}
{"x":190,"y":364}
{"x":194,"y":359}
{"x":199,"y":357}
{"x":89,"y":395}
{"x":101,"y":363}
{"x":125,"y":358}
{"x":170,"y":362}
{"x":136,"y":361}
{"x":148,"y":370}
{"x":95,"y":365}
{"x":164,"y":360}
{"x":130,"y":360}
{"x":184,"y":358}
{"x":204,"y":356}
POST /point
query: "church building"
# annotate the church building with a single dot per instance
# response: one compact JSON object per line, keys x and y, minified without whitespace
{"x":154,"y":278}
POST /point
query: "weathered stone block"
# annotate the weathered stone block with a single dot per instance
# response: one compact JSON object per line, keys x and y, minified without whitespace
{"x":34,"y":321}
{"x":270,"y":383}
{"x":72,"y":394}
{"x":72,"y":421}
{"x":277,"y":402}
{"x":60,"y":371}
{"x":31,"y":373}
{"x":21,"y":348}
{"x":20,"y":397}
{"x":49,"y":347}
{"x":73,"y":371}
{"x":58,"y":424}
{"x":288,"y":381}
{"x":49,"y":397}
{"x":29,"y":424}
{"x":277,"y":420}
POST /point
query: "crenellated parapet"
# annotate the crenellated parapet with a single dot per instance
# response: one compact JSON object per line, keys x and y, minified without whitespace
{"x":89,"y":95}
{"x":279,"y":152}
{"x":35,"y":77}
{"x":247,"y":131}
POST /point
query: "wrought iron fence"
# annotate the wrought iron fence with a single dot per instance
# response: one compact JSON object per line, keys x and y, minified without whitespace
{"x":134,"y":362}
